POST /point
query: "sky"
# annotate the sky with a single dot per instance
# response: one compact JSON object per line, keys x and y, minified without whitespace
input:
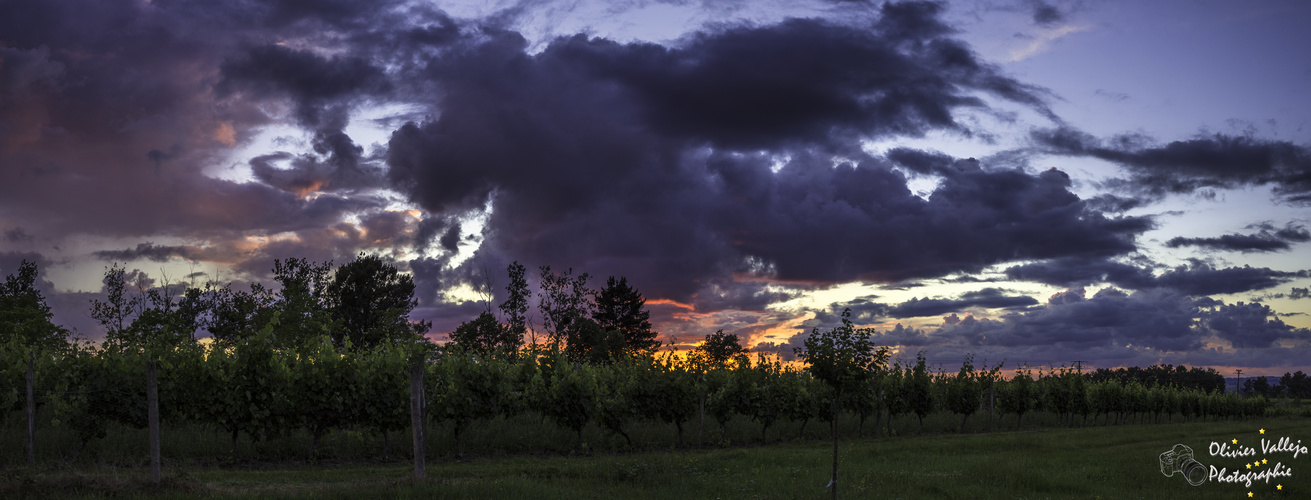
{"x":1107,"y":183}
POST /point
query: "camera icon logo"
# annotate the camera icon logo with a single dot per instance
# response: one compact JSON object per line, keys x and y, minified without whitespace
{"x":1180,"y":459}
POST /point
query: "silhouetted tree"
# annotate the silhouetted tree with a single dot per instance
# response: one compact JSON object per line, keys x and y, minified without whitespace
{"x":515,"y":306}
{"x":370,"y":300}
{"x":622,"y":308}
{"x":589,"y":342}
{"x":153,"y":316}
{"x":719,"y":348}
{"x":24,"y":315}
{"x":302,"y":302}
{"x":486,"y":337}
{"x":1296,"y":385}
{"x":236,"y":314}
{"x":844,"y":358}
{"x":563,"y":300}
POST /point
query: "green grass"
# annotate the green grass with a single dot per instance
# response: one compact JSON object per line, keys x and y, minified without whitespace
{"x":1094,"y":462}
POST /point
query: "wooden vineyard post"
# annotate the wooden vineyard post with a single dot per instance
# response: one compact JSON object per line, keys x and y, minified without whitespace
{"x":152,"y":417}
{"x":31,"y":409}
{"x":416,"y":416}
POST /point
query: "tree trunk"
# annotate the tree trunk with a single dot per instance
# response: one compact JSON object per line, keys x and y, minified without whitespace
{"x":679,"y":424}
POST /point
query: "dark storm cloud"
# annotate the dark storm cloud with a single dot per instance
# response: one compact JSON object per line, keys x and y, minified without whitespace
{"x":1196,"y":278}
{"x":986,"y":298}
{"x":1158,"y":319}
{"x":1269,"y":239}
{"x":1201,"y":279}
{"x":1249,"y":325}
{"x":725,"y":294}
{"x":1045,"y":14}
{"x":658,"y":162}
{"x":147,"y":251}
{"x":1209,"y":161}
{"x":111,"y":114}
{"x":1111,"y":328}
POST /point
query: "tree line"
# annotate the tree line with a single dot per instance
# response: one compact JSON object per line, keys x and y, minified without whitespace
{"x":332,"y":350}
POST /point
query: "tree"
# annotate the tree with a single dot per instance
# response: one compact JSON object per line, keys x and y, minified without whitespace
{"x":24,"y":315}
{"x":155,"y":317}
{"x":515,"y":306}
{"x":1017,"y":395}
{"x":304,"y":310}
{"x":963,"y":395}
{"x":1296,"y":385}
{"x":844,"y":358}
{"x":588,"y":342}
{"x":917,"y":390}
{"x":372,"y":301}
{"x":486,"y":337}
{"x":718,"y":349}
{"x":237,"y":314}
{"x":563,"y":300}
{"x":622,"y":308}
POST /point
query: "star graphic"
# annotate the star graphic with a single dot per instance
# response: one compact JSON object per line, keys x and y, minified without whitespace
{"x":1279,"y":486}
{"x":1249,"y":466}
{"x":1235,"y":441}
{"x":1249,"y":494}
{"x":1262,"y":431}
{"x":1264,"y":460}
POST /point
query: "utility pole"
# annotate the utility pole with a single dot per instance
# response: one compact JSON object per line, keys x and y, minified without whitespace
{"x":1238,"y":388}
{"x":1079,"y":363}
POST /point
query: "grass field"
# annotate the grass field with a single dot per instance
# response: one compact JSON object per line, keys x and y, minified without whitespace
{"x":1118,"y":461}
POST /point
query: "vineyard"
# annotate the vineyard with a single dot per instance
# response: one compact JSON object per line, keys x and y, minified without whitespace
{"x":251,"y":391}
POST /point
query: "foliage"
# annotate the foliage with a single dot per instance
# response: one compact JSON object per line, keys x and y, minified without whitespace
{"x":157,"y":318}
{"x":302,"y":302}
{"x":515,"y":306}
{"x":589,"y":342}
{"x":466,"y":386}
{"x":621,"y":308}
{"x":486,"y":337}
{"x":24,"y":315}
{"x":963,"y":395}
{"x":234,"y":314}
{"x":568,"y":393}
{"x":844,"y":356}
{"x":371,"y":302}
{"x":1017,"y":395}
{"x":917,"y":389}
{"x":563,"y":301}
{"x":718,"y":349}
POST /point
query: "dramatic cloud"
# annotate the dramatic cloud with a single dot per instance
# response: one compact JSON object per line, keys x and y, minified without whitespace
{"x":647,"y":160}
{"x":1214,"y":161}
{"x":740,"y":172}
{"x":987,"y":298}
{"x":1268,"y":239}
